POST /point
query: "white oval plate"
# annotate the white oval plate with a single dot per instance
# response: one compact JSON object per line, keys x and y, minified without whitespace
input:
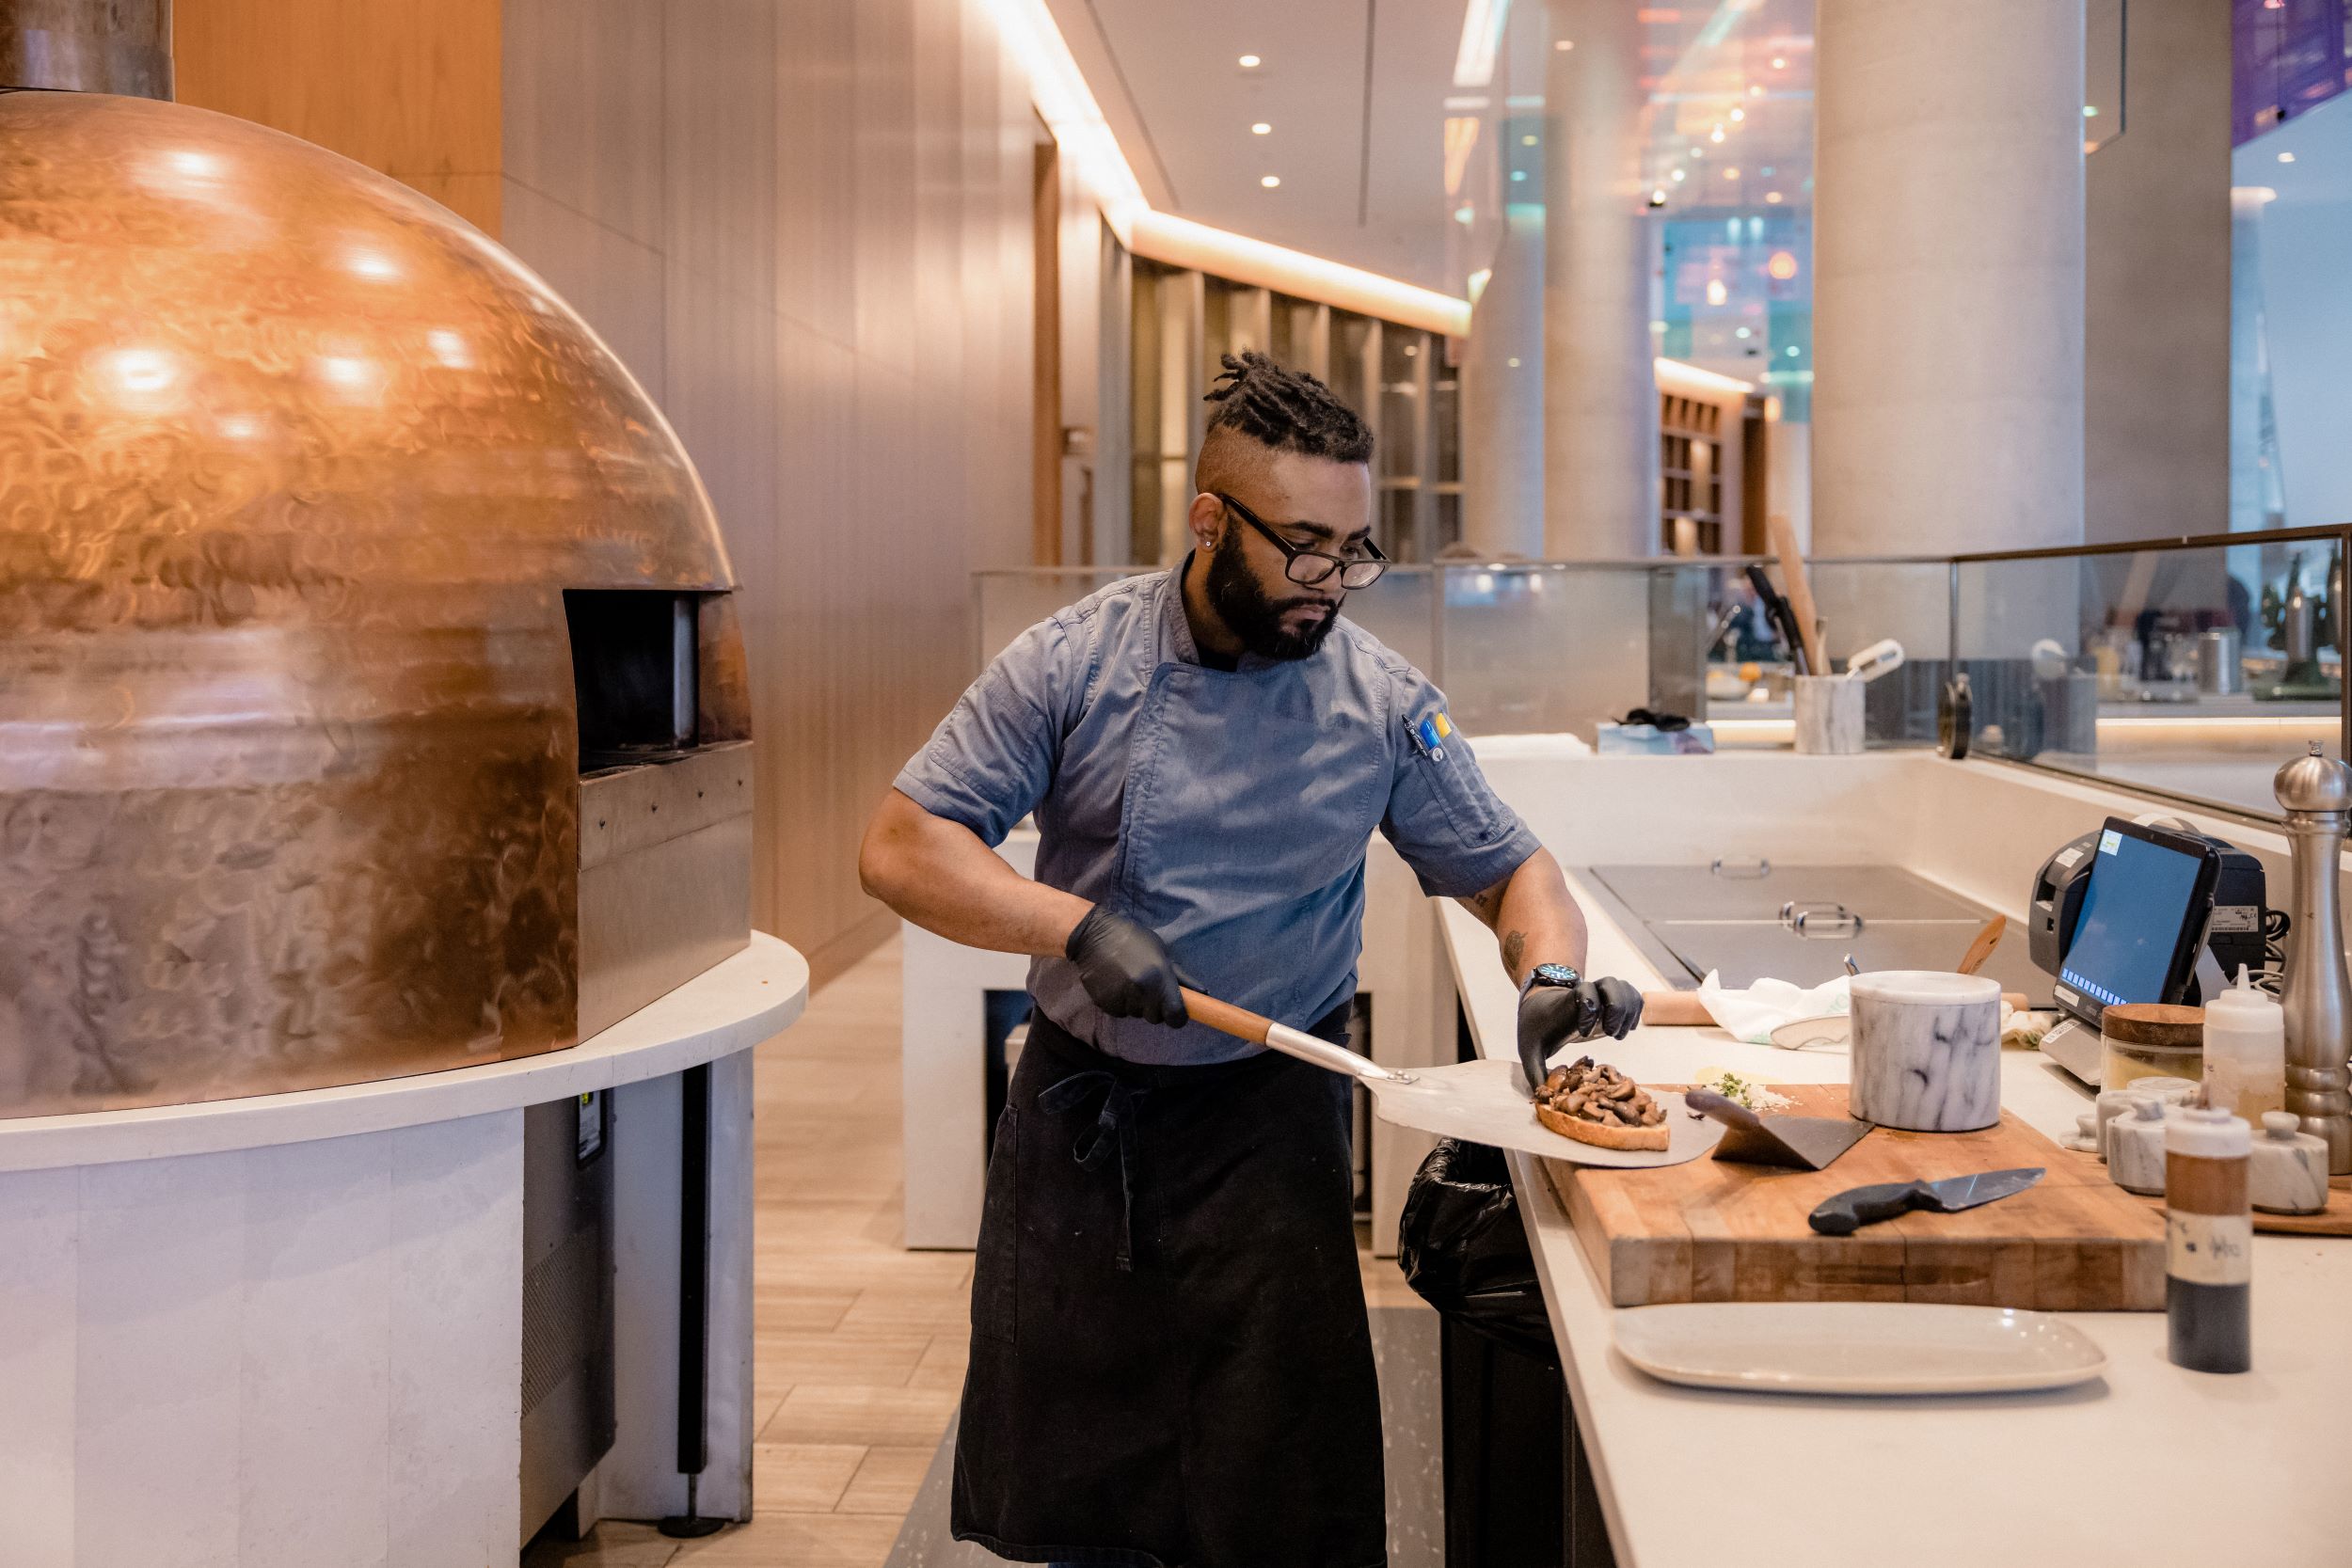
{"x":1829,"y":1029}
{"x":1856,"y":1347}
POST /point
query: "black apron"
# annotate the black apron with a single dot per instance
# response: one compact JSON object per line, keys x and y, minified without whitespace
{"x":1172,"y":1365}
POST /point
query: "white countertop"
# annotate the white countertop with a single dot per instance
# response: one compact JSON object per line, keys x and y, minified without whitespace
{"x":2150,"y":1465}
{"x":731,"y":1007}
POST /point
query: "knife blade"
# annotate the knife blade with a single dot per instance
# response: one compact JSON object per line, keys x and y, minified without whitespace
{"x":1856,"y":1207}
{"x":1783,"y":620}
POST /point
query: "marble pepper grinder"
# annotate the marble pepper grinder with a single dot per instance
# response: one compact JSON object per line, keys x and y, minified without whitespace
{"x":2315,"y":792}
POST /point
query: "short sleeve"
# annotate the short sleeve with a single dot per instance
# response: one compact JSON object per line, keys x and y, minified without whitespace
{"x":1443,"y":818}
{"x":993,"y":757}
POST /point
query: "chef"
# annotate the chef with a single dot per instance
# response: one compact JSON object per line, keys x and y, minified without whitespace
{"x":1170,"y":1358}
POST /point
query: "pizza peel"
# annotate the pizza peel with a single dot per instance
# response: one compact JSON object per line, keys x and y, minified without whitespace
{"x":1484,"y":1102}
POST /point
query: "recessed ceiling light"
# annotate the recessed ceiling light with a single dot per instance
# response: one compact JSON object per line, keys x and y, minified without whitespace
{"x":1677,"y":177}
{"x":1513,"y":362}
{"x":1731,"y":173}
{"x":1563,"y":45}
{"x":1261,"y":129}
{"x":1772,"y":196}
{"x":1527,"y":141}
{"x":1756,"y":89}
{"x":1716,"y":134}
{"x":1270,"y":180}
{"x":1780,"y":62}
{"x":1792,"y":351}
{"x":1744,"y":332}
{"x":1737,"y":113}
{"x":2286,"y":157}
{"x":1250,"y":62}
{"x":1658,"y":199}
{"x":1518,"y":174}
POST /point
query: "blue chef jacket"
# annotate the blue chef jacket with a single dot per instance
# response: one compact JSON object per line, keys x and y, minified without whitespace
{"x":1227,"y":810}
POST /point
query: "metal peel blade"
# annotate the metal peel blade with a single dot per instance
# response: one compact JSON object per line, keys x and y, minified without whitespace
{"x":1483,"y":1101}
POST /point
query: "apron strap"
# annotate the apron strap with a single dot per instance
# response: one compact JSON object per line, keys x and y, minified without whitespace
{"x":1116,"y":1119}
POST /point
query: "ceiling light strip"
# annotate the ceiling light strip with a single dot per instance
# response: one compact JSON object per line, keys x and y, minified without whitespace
{"x":1690,"y":381}
{"x":1483,"y":22}
{"x":1182,"y":243}
{"x":1067,"y":106}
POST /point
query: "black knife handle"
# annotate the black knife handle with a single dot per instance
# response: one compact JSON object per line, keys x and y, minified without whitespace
{"x":1856,"y":1207}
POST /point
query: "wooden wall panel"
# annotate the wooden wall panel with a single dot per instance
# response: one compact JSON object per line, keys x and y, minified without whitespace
{"x":407,"y":87}
{"x":816,"y":218}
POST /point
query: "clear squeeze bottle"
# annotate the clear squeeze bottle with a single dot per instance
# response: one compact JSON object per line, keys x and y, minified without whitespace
{"x":2246,"y":1053}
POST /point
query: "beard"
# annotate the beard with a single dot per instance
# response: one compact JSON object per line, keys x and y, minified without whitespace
{"x":1253,"y":617}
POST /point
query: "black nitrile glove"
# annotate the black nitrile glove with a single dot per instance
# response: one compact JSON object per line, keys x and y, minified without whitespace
{"x":1126,"y":969}
{"x":1551,"y":1016}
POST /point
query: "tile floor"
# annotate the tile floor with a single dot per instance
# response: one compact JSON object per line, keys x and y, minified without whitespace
{"x":860,"y":1344}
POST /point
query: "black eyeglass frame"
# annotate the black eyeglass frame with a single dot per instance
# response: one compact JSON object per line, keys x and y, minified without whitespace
{"x":1294,"y":554}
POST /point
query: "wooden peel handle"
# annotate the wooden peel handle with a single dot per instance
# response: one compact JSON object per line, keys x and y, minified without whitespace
{"x":1223,"y":1016}
{"x":1244,"y":1024}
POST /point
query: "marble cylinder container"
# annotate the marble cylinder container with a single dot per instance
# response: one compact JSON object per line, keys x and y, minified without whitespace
{"x":1829,"y":715}
{"x":1927,"y":1050}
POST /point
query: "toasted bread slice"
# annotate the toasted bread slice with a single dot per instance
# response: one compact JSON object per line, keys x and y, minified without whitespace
{"x":1609,"y":1135}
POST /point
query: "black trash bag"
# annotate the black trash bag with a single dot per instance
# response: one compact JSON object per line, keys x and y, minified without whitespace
{"x":1464,"y":1250}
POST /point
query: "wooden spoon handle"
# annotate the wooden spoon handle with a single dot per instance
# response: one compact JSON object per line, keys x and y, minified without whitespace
{"x":1987,"y":940}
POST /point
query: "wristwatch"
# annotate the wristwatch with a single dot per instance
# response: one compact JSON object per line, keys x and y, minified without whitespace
{"x":1551,"y":975}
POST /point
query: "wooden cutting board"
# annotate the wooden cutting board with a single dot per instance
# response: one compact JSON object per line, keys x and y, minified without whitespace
{"x":1712,"y":1230}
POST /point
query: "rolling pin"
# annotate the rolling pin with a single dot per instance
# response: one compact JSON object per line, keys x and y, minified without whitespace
{"x":1671,"y":1009}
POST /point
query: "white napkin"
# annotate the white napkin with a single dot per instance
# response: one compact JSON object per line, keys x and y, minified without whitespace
{"x":1752,"y":1014}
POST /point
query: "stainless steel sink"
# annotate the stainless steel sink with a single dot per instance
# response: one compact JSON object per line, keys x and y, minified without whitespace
{"x":1751,"y":919}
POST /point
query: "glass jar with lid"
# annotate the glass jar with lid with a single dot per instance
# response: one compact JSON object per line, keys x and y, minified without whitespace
{"x":2150,"y":1039}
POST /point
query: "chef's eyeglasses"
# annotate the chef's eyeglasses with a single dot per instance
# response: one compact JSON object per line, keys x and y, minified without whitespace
{"x":1312,"y":568}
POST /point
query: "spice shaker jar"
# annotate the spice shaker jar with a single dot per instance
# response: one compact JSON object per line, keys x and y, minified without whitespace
{"x":2209,"y":1241}
{"x":2136,"y":1159}
{"x":2150,"y":1039}
{"x":2289,"y":1172}
{"x":2246,"y":1053}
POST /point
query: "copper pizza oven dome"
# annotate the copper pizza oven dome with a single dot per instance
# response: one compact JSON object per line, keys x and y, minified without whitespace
{"x":296,"y":471}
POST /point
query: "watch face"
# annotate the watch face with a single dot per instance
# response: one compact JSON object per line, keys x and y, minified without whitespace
{"x":1555,"y":975}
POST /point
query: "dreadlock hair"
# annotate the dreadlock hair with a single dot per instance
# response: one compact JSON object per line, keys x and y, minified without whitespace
{"x":1285,"y":410}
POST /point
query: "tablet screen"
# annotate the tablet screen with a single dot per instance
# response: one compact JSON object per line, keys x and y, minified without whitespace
{"x":2130,"y":927}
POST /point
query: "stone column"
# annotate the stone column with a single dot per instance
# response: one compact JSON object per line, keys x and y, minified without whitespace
{"x":2257,"y":498}
{"x":1503,"y":398}
{"x":1600,"y":395}
{"x":1947,"y":294}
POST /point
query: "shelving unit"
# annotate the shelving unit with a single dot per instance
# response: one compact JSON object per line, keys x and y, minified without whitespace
{"x":1403,"y":380}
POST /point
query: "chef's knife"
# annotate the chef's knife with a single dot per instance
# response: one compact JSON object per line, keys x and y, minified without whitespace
{"x":1856,"y":1207}
{"x":1783,"y":621}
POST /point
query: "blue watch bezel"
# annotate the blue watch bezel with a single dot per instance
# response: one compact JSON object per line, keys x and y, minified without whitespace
{"x":1553,"y":974}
